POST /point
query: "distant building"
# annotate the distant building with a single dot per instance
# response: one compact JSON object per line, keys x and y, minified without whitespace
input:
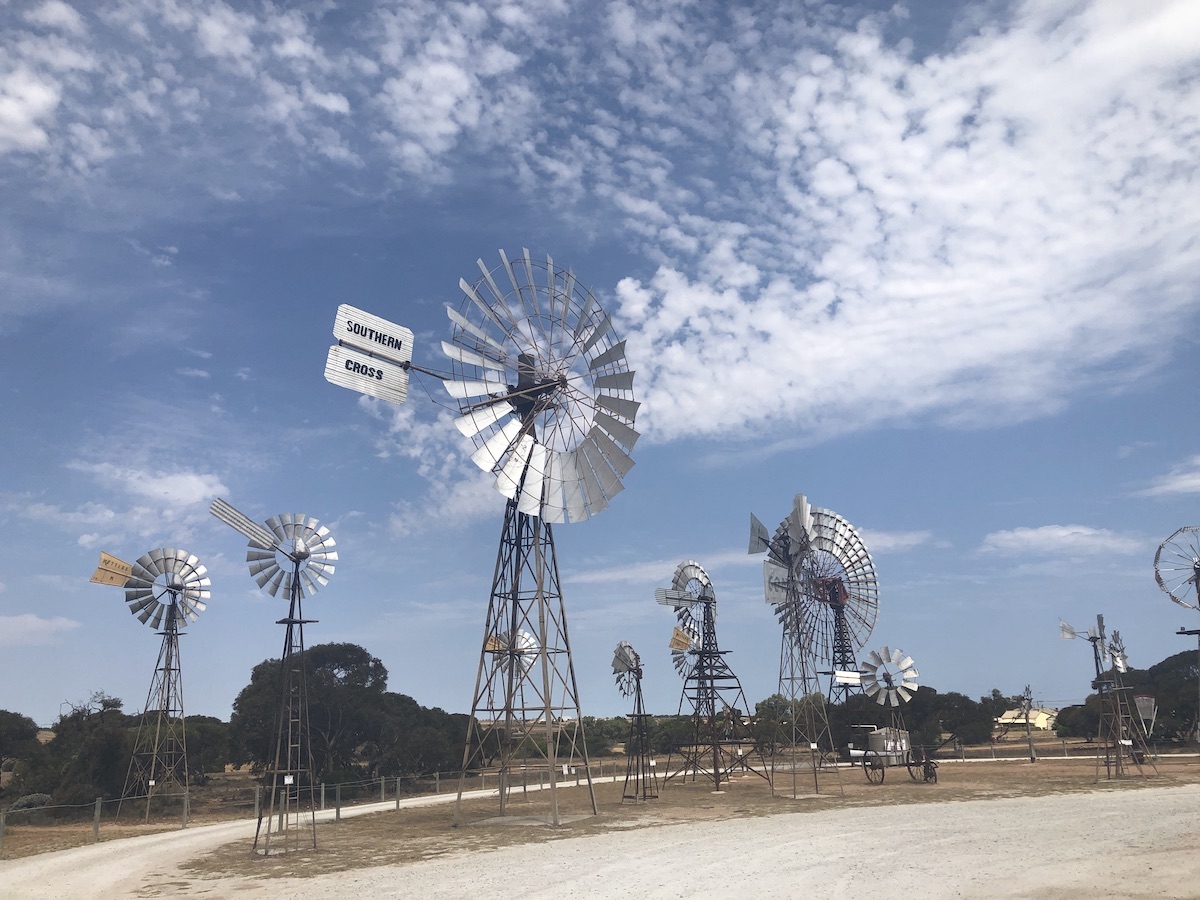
{"x":1039,"y":718}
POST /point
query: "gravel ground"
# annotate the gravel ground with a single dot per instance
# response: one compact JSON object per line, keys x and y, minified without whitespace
{"x":1124,"y":842}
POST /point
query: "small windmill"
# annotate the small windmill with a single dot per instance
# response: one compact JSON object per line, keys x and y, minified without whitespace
{"x":293,"y":555}
{"x":890,"y":677}
{"x":1122,"y":732}
{"x":166,"y":589}
{"x":721,"y":735}
{"x":640,"y":780}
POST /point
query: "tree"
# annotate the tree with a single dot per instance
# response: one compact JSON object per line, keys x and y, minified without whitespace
{"x":18,"y":736}
{"x":971,"y":722}
{"x":346,"y":686}
{"x":88,"y":757}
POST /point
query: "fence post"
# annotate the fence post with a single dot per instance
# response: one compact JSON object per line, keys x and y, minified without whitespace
{"x":258,"y":801}
{"x":1,"y":831}
{"x":337,"y":802}
{"x":397,"y":792}
{"x":186,"y":810}
{"x":96,"y":822}
{"x":322,"y":796}
{"x":437,"y":782}
{"x":382,"y":790}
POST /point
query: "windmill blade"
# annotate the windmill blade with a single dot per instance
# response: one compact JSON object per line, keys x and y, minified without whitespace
{"x":611,"y":356}
{"x":1066,"y":632}
{"x":673,"y":598}
{"x":609,"y":481}
{"x":241,"y":523}
{"x":471,"y":358}
{"x":481,"y":417}
{"x":574,"y":497}
{"x":617,"y":381}
{"x":534,"y":486}
{"x":626,"y":409}
{"x":493,"y":450}
{"x":759,"y":537}
{"x":896,"y":656}
{"x":625,"y":658}
{"x":509,"y":478}
{"x":474,"y":330}
{"x":462,"y":390}
{"x":874,"y":659}
{"x":603,"y":327}
{"x":621,"y":461}
{"x":618,"y":431}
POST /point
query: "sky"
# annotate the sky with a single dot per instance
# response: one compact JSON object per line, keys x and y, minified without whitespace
{"x":934,"y":266}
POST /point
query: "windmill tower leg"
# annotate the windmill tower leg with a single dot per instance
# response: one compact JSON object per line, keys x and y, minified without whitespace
{"x":159,"y":759}
{"x":290,"y":776}
{"x":525,"y":711}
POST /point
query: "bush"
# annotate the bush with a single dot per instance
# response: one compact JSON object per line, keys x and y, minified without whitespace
{"x":29,"y":801}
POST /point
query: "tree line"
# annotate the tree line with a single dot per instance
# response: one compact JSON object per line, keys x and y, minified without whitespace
{"x":359,"y":729}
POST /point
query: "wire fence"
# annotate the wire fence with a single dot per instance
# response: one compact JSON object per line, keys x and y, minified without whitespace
{"x":230,"y":796}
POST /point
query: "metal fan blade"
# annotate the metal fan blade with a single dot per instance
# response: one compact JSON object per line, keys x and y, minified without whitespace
{"x":759,"y":538}
{"x":618,"y":381}
{"x":146,"y":613}
{"x":266,"y":573}
{"x":136,"y":605}
{"x":609,"y":481}
{"x":487,"y":276}
{"x":554,"y":508}
{"x":585,"y":314}
{"x":156,"y":619}
{"x":591,"y":487}
{"x":286,"y":587}
{"x":481,"y":417}
{"x":897,"y":655}
{"x":883,"y":697}
{"x":482,"y":304}
{"x":310,"y":584}
{"x":910,"y":672}
{"x":626,"y":409}
{"x":885,"y":655}
{"x":874,"y":659}
{"x":905,"y":663}
{"x":509,"y":478}
{"x":241,"y":523}
{"x":574,"y":497}
{"x":613,"y":354}
{"x":870,"y":686}
{"x":261,"y":563}
{"x":512,"y":277}
{"x":492,"y":451}
{"x":621,"y":461}
{"x":603,"y":327}
{"x":474,"y":330}
{"x":462,"y":390}
{"x":904,"y":693}
{"x":271,"y":586}
{"x":470,"y":358}
{"x":533,"y":488}
{"x":618,"y":431}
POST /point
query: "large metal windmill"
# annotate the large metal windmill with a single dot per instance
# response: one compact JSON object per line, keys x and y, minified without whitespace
{"x":803,"y":737}
{"x":293,"y":556}
{"x":546,"y":397}
{"x":166,"y":589}
{"x":1177,"y":571}
{"x":722,"y":740}
{"x":640,"y":780}
{"x":821,"y":580}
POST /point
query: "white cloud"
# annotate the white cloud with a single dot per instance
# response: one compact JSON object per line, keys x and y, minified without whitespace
{"x":193,"y":373}
{"x":893,"y":541}
{"x":28,"y":630}
{"x":1182,"y":479}
{"x":27,"y":103}
{"x":181,"y":488}
{"x":58,"y":15}
{"x":1060,"y":540}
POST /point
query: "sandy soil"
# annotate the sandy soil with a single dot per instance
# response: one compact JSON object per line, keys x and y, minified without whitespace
{"x":987,"y":830}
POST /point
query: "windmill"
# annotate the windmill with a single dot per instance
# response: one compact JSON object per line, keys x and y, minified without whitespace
{"x":1121,"y":733}
{"x":640,"y":780}
{"x":546,"y":397}
{"x":721,"y":737}
{"x":166,"y":588}
{"x":890,"y":677}
{"x":1177,"y":571}
{"x":821,"y":580}
{"x":293,"y":556}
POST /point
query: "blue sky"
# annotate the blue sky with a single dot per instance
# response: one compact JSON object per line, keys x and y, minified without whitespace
{"x":936,"y":271}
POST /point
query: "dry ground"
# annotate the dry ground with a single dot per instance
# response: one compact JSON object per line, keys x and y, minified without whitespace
{"x":961,"y":837}
{"x":415,"y":834}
